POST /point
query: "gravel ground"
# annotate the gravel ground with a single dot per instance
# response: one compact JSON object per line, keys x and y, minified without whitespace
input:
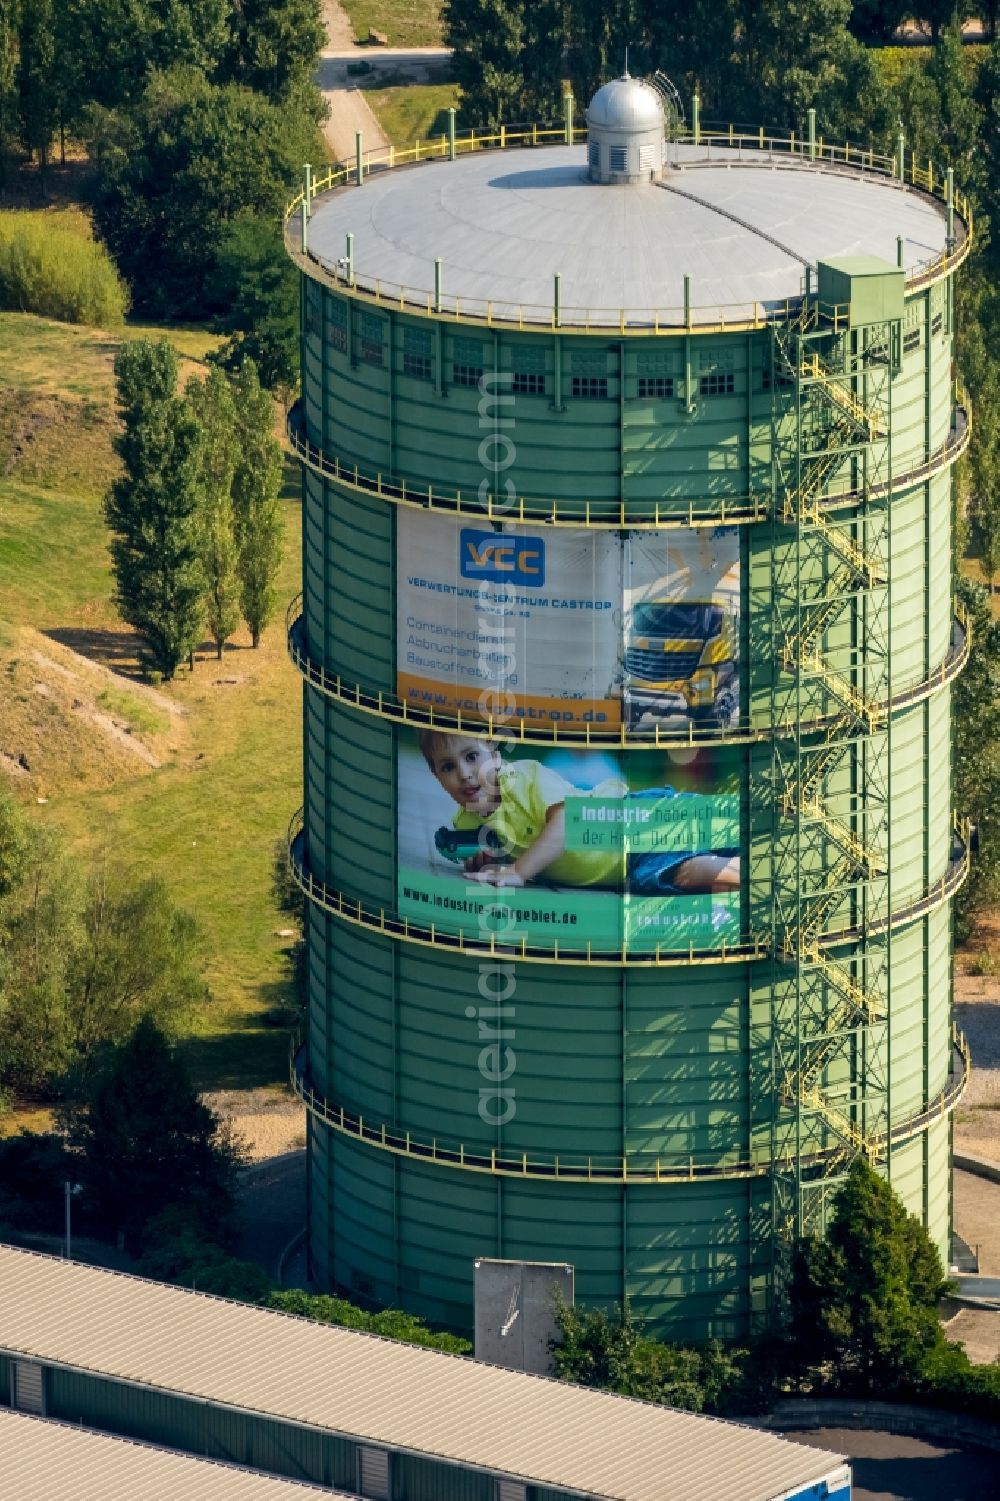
{"x":267,"y":1121}
{"x":892,"y":1467}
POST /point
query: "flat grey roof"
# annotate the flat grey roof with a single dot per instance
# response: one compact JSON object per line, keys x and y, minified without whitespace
{"x":44,"y":1461}
{"x":504,"y":223}
{"x":442,"y":1406}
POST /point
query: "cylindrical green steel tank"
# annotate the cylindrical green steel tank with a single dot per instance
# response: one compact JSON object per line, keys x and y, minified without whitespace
{"x":667,"y":1113}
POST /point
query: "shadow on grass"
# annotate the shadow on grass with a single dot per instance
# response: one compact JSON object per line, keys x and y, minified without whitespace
{"x":248,"y":1055}
{"x":117,"y":650}
{"x":291,"y":483}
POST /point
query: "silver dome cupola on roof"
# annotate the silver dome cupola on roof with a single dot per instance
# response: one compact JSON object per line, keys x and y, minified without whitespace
{"x":625,"y":124}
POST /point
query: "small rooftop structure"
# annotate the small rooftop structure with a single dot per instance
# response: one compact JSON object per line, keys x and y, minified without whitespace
{"x":625,"y":132}
{"x":525,"y":1430}
{"x":44,"y":1461}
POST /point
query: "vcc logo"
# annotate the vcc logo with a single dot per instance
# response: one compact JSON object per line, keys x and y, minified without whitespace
{"x":501,"y":558}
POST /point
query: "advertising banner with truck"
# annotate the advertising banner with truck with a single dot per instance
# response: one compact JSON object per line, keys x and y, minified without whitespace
{"x":580,"y":847}
{"x":569,"y":626}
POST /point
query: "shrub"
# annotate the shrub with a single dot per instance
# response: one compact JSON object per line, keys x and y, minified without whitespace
{"x":50,"y":265}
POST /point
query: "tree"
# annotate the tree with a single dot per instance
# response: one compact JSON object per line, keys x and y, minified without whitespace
{"x":257,"y":288}
{"x":186,"y":159}
{"x":39,"y":930}
{"x":940,"y":14}
{"x":84,"y":955}
{"x":596,"y":39}
{"x":137,"y":957}
{"x":274,"y":45}
{"x":877,"y":21}
{"x":111,"y":48}
{"x":8,"y":84}
{"x":597,"y":1347}
{"x":986,"y":523}
{"x":13,"y":843}
{"x":154,"y":508}
{"x":976,"y":754}
{"x":256,"y":504}
{"x":36,"y":78}
{"x":864,"y":1300}
{"x":488,"y":38}
{"x":145,"y":1140}
{"x":212,"y":402}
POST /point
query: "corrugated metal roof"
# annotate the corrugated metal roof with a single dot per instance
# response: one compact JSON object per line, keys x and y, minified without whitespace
{"x":442,"y":1406}
{"x":43,"y":1461}
{"x":505,"y":224}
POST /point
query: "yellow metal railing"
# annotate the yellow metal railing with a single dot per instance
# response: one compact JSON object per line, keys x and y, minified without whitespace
{"x":866,"y":419}
{"x":639,"y":321}
{"x":867,"y":1004}
{"x":610,"y":515}
{"x":868,"y":711}
{"x":869,"y":862}
{"x":391,"y":707}
{"x":505,"y":946}
{"x":636,"y":1167}
{"x":635,"y":515}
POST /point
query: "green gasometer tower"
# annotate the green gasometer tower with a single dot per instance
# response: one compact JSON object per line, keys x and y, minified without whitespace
{"x":701,"y":546}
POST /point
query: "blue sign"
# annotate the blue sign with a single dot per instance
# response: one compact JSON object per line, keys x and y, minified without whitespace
{"x":502,"y":558}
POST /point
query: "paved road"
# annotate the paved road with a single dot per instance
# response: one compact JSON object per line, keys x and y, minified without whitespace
{"x":986,"y":1288}
{"x":349,"y":109}
{"x":977,"y":1218}
{"x":891,"y":1467}
{"x":388,"y":57}
{"x":272,"y":1200}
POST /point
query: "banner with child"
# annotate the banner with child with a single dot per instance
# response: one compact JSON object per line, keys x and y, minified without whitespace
{"x":580,"y":847}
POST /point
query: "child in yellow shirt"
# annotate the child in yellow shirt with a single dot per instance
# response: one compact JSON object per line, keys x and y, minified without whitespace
{"x":521,"y":807}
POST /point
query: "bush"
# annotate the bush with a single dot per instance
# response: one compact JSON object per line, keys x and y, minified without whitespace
{"x":391,"y":1323}
{"x":33,"y":1169}
{"x":49,"y":265}
{"x":609,"y":1351}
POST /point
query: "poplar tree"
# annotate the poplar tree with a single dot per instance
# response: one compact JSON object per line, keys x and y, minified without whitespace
{"x":212,"y":402}
{"x":154,"y":507}
{"x":8,"y":84}
{"x":256,"y":503}
{"x":36,"y":78}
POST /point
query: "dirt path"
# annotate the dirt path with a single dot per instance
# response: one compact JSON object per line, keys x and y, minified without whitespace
{"x":349,"y":109}
{"x":339,"y":32}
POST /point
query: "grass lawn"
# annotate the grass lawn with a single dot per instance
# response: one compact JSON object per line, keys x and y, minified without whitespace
{"x":414,"y":112}
{"x":207,"y":817}
{"x":407,"y":23}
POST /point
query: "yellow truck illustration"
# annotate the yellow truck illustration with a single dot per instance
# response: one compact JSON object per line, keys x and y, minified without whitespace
{"x":681,"y":659}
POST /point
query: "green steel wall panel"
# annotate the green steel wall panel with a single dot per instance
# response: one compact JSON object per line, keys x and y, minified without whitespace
{"x":682,"y":1253}
{"x":200,"y":1428}
{"x":415,"y":1479}
{"x":671,"y":1063}
{"x":397,"y":1045}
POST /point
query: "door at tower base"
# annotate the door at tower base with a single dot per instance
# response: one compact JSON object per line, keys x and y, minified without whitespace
{"x":584,"y":848}
{"x":568,"y":626}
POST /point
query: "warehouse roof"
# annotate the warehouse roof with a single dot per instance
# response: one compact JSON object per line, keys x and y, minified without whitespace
{"x":43,"y":1461}
{"x":504,"y":224}
{"x":400,"y":1396}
